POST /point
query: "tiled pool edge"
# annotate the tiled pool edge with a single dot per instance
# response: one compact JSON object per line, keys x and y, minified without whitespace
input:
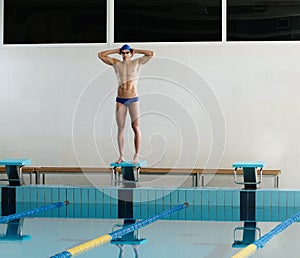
{"x":205,"y":203}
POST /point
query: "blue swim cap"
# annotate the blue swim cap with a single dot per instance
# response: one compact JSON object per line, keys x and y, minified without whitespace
{"x":125,"y":47}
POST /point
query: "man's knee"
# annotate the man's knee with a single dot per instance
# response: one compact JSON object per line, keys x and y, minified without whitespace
{"x":121,"y":129}
{"x":135,"y":126}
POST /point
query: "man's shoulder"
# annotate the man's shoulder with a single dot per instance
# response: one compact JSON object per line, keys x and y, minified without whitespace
{"x":143,"y":59}
{"x":137,"y":61}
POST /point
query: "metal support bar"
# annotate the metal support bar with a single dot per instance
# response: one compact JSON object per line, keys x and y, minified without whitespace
{"x":248,"y":173}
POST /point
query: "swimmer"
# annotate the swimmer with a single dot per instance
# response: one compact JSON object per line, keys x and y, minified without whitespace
{"x":128,"y":72}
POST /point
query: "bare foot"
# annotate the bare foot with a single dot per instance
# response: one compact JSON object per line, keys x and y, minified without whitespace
{"x":120,"y":160}
{"x":135,"y":159}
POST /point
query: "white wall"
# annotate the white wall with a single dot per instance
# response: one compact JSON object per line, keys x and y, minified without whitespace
{"x":198,"y":100}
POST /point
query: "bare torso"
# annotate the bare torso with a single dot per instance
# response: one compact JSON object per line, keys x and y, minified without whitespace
{"x":128,"y":72}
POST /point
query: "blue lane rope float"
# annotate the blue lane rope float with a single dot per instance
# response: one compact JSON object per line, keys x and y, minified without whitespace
{"x":34,"y":211}
{"x":261,"y":242}
{"x":116,"y":234}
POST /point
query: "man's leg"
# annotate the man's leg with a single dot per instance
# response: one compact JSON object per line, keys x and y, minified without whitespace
{"x":121,"y":111}
{"x":134,"y":111}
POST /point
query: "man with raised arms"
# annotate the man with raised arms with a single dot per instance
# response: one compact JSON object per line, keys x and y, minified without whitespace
{"x":128,"y":72}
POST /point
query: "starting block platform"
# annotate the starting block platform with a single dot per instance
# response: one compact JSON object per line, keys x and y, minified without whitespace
{"x":14,"y":170}
{"x":130,"y":172}
{"x":249,"y":173}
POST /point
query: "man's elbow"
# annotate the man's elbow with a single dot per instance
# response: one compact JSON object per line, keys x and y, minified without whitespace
{"x":100,"y":55}
{"x":151,"y":53}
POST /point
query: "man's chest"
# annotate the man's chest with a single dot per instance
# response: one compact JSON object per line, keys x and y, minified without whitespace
{"x":128,"y":69}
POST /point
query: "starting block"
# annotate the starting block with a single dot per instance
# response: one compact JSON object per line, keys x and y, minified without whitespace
{"x":249,"y":173}
{"x":130,"y":172}
{"x":14,"y":170}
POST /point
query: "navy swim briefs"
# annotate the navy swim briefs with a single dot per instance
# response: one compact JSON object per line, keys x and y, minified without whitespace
{"x":127,"y":102}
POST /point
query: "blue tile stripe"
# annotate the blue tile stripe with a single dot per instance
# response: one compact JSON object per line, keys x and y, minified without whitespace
{"x":205,"y":203}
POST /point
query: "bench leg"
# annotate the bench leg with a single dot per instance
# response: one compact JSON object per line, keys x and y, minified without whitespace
{"x":276,"y":181}
{"x":37,"y":178}
{"x":194,"y":180}
{"x":202,"y":180}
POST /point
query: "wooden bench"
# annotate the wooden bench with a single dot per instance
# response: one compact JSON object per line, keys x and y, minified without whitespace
{"x":40,"y":172}
{"x":274,"y":173}
{"x":43,"y":171}
{"x":198,"y":175}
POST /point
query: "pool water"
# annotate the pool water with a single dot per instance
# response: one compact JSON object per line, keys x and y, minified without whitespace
{"x":217,"y":223}
{"x":164,"y":239}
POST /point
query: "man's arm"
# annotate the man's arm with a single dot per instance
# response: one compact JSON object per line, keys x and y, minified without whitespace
{"x":148,"y":54}
{"x":104,"y":56}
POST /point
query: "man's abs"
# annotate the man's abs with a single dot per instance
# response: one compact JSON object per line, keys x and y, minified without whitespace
{"x":127,"y":75}
{"x":127,"y":90}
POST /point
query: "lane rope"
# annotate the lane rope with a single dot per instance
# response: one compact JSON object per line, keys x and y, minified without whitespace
{"x":116,"y":234}
{"x":261,"y":242}
{"x":31,"y":212}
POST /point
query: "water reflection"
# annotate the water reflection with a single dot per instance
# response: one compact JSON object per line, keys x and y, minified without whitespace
{"x":132,"y":239}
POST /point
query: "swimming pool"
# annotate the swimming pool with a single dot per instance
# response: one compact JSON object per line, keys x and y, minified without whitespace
{"x":213,"y":223}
